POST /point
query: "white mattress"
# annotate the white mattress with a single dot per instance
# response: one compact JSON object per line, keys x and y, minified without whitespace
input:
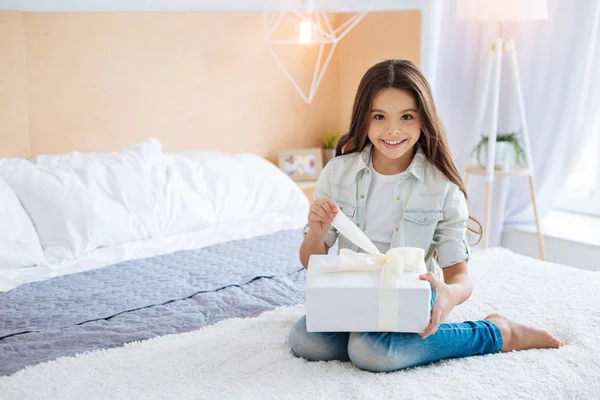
{"x":221,"y":232}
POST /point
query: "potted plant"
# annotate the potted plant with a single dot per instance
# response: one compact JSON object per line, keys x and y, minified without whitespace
{"x":509,"y":151}
{"x":329,"y":144}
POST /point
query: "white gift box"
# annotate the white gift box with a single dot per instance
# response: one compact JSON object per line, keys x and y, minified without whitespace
{"x":367,"y":292}
{"x":360,"y":301}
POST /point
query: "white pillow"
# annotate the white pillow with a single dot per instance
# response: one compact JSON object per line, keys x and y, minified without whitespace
{"x":19,"y":242}
{"x":80,"y":202}
{"x":193,"y":155}
{"x":187,"y":201}
{"x":184,"y":205}
{"x":247,"y":185}
{"x":75,"y":159}
{"x":204,"y":188}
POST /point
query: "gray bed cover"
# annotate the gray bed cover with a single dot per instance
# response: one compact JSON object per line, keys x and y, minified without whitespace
{"x":145,"y":298}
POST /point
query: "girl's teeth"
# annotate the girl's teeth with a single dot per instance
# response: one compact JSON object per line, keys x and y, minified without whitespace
{"x":391,"y":142}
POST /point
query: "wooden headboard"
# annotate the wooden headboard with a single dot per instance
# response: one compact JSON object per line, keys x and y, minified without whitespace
{"x":195,"y":80}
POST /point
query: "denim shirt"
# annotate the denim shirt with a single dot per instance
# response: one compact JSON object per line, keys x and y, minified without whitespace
{"x":431,"y":212}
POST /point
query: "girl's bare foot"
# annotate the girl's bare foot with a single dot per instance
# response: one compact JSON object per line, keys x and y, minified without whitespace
{"x":517,"y":336}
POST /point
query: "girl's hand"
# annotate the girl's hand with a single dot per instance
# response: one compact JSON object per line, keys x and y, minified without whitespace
{"x":321,"y":214}
{"x":444,"y":303}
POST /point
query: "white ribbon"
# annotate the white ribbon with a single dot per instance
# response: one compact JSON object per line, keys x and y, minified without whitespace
{"x":392,"y":265}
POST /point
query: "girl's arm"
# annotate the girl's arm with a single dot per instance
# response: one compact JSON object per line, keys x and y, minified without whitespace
{"x":453,"y":290}
{"x":313,"y":243}
{"x":452,"y":248}
{"x":453,"y":253}
{"x":458,"y":281}
{"x":316,"y":241}
{"x":320,"y":235}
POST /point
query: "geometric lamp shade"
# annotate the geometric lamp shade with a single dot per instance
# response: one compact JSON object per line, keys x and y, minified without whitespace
{"x":304,"y":28}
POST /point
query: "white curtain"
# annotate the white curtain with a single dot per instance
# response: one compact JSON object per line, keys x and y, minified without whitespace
{"x":559,"y":63}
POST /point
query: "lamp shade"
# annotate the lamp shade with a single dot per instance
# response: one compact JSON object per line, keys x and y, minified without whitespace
{"x":502,"y":10}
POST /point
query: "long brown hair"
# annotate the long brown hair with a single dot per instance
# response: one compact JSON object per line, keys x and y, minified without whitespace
{"x":405,"y":75}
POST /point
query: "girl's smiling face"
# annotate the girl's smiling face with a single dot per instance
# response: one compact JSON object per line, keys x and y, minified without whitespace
{"x":394,"y":128}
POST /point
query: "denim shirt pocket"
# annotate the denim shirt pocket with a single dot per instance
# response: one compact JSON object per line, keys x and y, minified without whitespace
{"x":420,"y":225}
{"x":423,"y":217}
{"x":347,"y":209}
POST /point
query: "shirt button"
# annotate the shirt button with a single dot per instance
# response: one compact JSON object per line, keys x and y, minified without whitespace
{"x":396,"y":229}
{"x":341,"y":208}
{"x":362,"y":196}
{"x":398,"y":198}
{"x":357,"y":224}
{"x":424,"y":218}
{"x":368,"y":171}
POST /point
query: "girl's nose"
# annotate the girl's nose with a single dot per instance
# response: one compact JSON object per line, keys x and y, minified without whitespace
{"x":395,"y":131}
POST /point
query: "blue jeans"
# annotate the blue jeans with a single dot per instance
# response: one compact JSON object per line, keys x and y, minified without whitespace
{"x":390,"y":351}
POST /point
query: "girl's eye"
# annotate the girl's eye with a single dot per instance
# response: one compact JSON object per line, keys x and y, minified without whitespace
{"x":407,"y":117}
{"x":379,"y":117}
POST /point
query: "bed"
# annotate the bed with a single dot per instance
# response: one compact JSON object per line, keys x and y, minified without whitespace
{"x":180,"y":279}
{"x":224,"y":244}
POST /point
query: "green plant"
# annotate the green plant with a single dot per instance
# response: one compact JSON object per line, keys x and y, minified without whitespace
{"x":330,"y":141}
{"x":509,"y":137}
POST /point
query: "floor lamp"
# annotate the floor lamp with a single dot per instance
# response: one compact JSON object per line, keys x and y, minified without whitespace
{"x":502,"y":11}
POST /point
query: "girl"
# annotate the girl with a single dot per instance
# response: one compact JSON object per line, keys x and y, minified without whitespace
{"x":393,"y":175}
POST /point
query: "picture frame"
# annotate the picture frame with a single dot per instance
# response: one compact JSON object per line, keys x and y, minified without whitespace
{"x":302,"y":164}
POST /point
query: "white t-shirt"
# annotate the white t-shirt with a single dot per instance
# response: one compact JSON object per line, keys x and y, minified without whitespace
{"x":379,"y":224}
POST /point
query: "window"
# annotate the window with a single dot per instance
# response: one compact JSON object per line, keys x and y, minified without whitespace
{"x":581,"y":193}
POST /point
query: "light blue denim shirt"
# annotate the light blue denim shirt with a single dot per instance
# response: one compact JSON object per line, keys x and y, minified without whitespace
{"x":431,"y":212}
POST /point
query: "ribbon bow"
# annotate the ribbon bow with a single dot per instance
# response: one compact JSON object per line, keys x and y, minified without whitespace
{"x":391,"y":264}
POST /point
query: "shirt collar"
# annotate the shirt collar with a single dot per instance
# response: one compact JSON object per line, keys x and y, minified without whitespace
{"x":416,"y":167}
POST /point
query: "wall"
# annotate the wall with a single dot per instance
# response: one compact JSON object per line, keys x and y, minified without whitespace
{"x":209,"y":5}
{"x":14,"y":111}
{"x":103,"y":81}
{"x":569,"y":239}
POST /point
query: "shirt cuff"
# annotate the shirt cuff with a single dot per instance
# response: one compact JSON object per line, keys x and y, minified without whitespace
{"x":452,"y":252}
{"x":330,"y":237}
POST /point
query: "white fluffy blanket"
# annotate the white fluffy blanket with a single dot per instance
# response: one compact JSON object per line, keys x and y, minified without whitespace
{"x":250,"y":359}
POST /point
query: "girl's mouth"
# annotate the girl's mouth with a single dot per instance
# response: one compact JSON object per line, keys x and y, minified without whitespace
{"x":394,"y":144}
